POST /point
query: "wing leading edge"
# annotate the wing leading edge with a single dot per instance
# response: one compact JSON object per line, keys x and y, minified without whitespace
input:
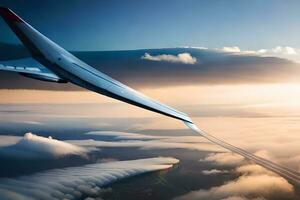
{"x":69,"y":68}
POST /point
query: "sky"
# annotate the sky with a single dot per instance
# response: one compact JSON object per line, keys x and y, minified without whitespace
{"x":115,"y":25}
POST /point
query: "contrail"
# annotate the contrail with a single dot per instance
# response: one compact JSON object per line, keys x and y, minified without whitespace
{"x":292,"y":175}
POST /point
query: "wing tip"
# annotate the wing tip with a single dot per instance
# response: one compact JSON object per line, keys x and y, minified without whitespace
{"x":193,"y":127}
{"x":9,"y":15}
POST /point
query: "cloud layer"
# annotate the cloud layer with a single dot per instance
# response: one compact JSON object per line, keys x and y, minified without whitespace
{"x":78,"y":182}
{"x":146,"y":142}
{"x":180,"y":66}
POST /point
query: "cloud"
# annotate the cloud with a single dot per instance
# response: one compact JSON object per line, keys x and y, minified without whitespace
{"x":7,"y":140}
{"x":125,"y":135}
{"x":146,"y":142}
{"x":286,"y":52}
{"x":214,"y":171}
{"x":265,"y":186}
{"x":253,"y":169}
{"x":230,"y":159}
{"x":184,"y":58}
{"x":279,"y":51}
{"x":234,"y":49}
{"x":34,"y":146}
{"x":266,"y":137}
{"x":78,"y":182}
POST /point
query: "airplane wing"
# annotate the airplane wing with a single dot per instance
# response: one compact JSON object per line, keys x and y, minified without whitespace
{"x":69,"y":68}
{"x":30,"y":68}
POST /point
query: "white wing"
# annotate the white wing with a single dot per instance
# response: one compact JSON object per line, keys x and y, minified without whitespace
{"x":66,"y":66}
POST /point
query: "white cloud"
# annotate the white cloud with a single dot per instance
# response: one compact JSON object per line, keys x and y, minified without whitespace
{"x":214,"y":171}
{"x":233,"y":49}
{"x":78,"y":182}
{"x":285,"y":52}
{"x":184,"y":58}
{"x":279,"y":50}
{"x":39,"y":147}
{"x":224,"y":158}
{"x":262,"y":51}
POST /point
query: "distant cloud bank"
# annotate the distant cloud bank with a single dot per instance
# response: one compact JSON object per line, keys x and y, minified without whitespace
{"x":180,"y":66}
{"x":184,"y":58}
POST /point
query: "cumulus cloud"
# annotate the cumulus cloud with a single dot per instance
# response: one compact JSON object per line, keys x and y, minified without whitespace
{"x":237,"y":51}
{"x":184,"y":58}
{"x":265,"y":186}
{"x":34,"y":146}
{"x":284,"y":50}
{"x":233,"y":49}
{"x":78,"y":182}
{"x":281,"y":52}
{"x":227,"y":158}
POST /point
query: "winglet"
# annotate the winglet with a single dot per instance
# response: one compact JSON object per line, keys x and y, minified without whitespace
{"x":193,"y":127}
{"x":9,"y":15}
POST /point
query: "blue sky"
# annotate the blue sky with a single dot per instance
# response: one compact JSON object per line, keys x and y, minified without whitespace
{"x":135,"y":24}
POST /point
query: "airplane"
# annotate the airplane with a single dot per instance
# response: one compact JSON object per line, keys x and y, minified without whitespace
{"x":50,"y":62}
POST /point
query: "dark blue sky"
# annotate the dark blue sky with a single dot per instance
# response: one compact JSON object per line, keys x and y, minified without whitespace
{"x":134,"y":24}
